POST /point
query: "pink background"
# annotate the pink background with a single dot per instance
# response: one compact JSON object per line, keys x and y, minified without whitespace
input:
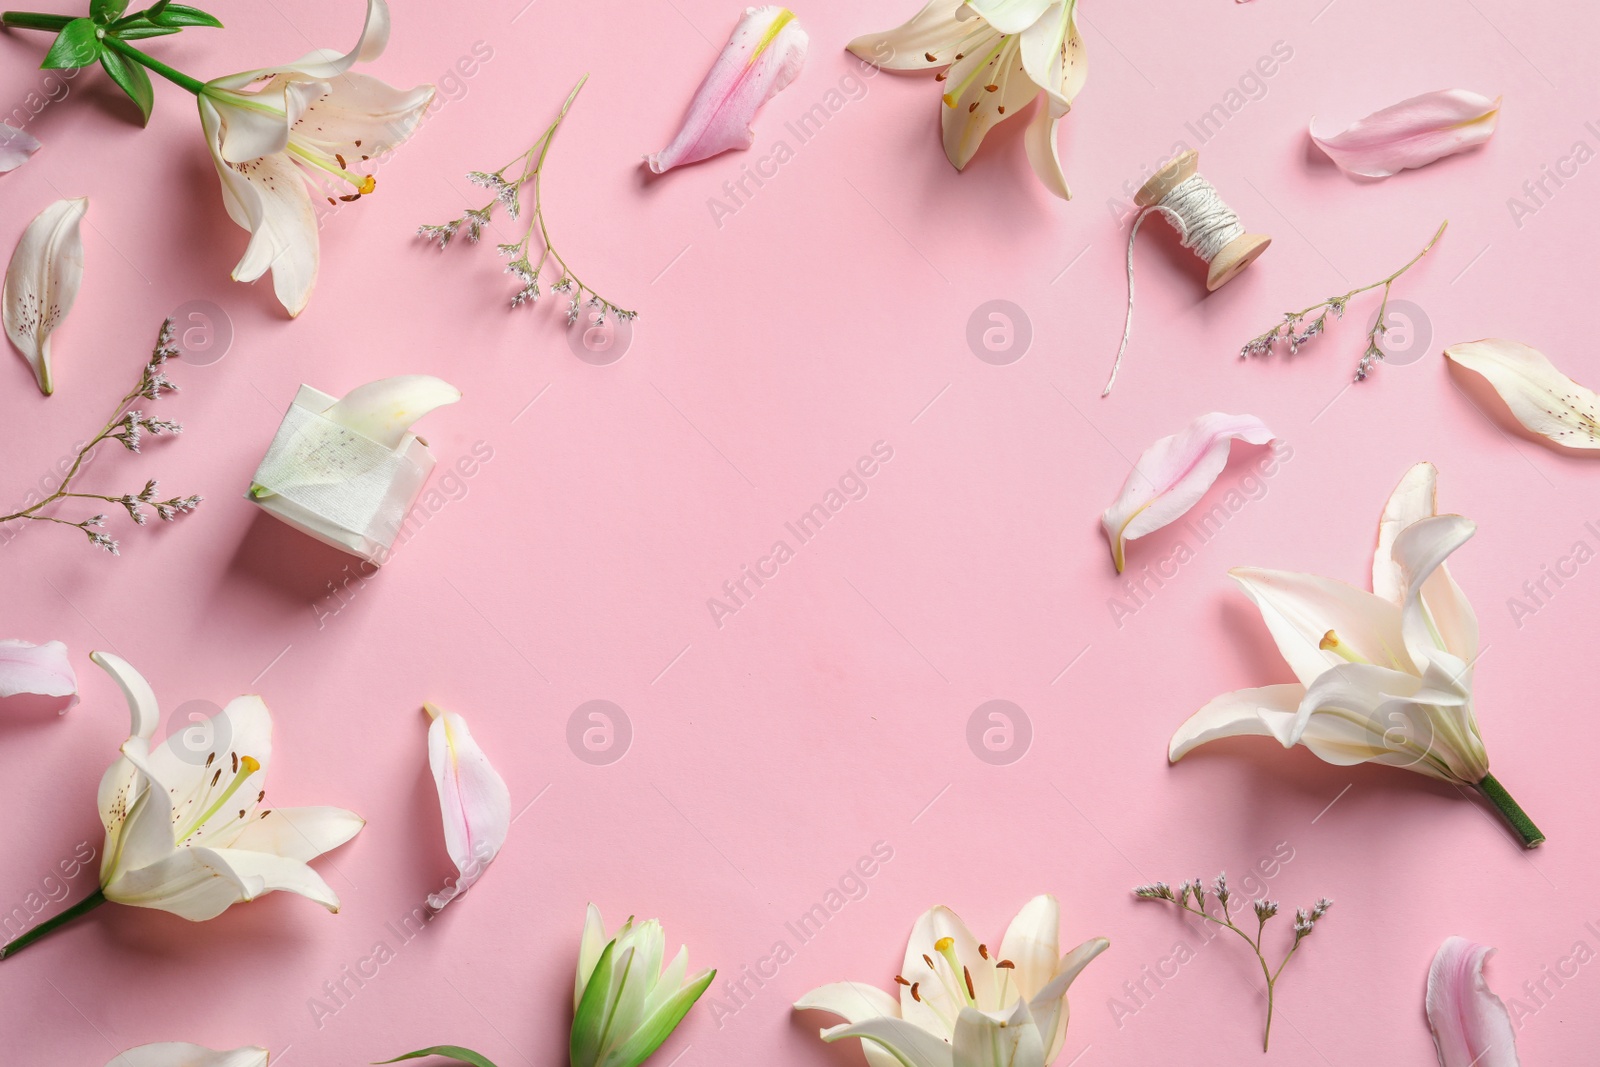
{"x":826,"y":314}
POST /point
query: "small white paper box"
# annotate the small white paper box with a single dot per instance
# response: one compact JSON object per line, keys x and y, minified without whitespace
{"x":344,"y":489}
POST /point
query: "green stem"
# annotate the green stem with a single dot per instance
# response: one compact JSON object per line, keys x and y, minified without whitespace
{"x":84,"y":906}
{"x":176,"y":77}
{"x":1530,"y":834}
{"x":34,"y":20}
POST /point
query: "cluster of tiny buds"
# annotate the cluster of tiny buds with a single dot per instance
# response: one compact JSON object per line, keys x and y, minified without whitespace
{"x":1305,"y":921}
{"x":1289,"y":332}
{"x":1370,"y":356}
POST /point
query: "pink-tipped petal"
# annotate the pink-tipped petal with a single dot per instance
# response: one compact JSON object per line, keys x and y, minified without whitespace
{"x":1412,"y":133}
{"x":39,"y":670}
{"x":1543,"y":399}
{"x":764,"y":54}
{"x":1173,"y":474}
{"x":1471,"y":1027}
{"x":473,"y":800}
{"x":15,"y":147}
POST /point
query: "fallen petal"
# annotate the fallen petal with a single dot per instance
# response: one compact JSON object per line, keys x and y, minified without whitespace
{"x":1173,"y":474}
{"x":384,"y":410}
{"x":473,"y":800}
{"x":183,"y":1054}
{"x":1471,"y":1027}
{"x":1412,"y":133}
{"x":1542,"y":398}
{"x":40,"y":670}
{"x":42,"y":282}
{"x":764,"y":54}
{"x":15,"y":147}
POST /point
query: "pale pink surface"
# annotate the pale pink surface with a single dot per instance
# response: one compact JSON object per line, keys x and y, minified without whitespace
{"x":826,"y":313}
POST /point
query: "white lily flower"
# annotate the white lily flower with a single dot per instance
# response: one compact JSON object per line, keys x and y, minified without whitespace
{"x":473,"y":800}
{"x":308,"y":125}
{"x":1384,"y":677}
{"x":185,"y":830}
{"x":183,"y":1054}
{"x":624,"y":1003}
{"x":961,"y":1004}
{"x":42,"y":282}
{"x":997,"y":56}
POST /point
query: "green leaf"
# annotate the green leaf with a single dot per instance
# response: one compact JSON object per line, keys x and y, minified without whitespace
{"x":104,"y":11}
{"x":77,"y":45}
{"x":134,"y":31}
{"x":588,"y":1021}
{"x":183,"y":15}
{"x":132,"y":79}
{"x":455,"y":1052}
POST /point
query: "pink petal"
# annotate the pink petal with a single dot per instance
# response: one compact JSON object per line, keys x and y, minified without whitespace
{"x":15,"y":147}
{"x":1173,"y":474}
{"x":40,"y":670}
{"x":1471,"y":1027}
{"x":765,"y":53}
{"x":473,"y":800}
{"x":1412,"y":133}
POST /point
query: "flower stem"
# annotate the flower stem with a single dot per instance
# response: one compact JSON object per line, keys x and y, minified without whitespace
{"x":82,"y":907}
{"x":1512,"y":811}
{"x":34,"y":20}
{"x":176,"y":77}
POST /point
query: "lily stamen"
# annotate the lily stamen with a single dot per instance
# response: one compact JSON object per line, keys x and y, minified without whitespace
{"x":363,"y":183}
{"x":946,"y":947}
{"x":1331,"y":643}
{"x":248,"y":765}
{"x":959,"y":90}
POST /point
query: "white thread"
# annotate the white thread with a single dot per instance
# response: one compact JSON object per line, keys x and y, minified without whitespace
{"x":1205,"y":224}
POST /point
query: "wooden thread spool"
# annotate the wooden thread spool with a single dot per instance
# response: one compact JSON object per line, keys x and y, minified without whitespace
{"x":1237,"y":254}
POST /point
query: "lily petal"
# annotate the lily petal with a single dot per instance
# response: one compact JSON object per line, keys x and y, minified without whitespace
{"x":1173,"y":474}
{"x":40,"y":670}
{"x":926,"y":42}
{"x":15,"y":147}
{"x":908,"y":1043}
{"x":983,"y":1041}
{"x":987,"y":86}
{"x":938,"y":1006}
{"x":589,"y":949}
{"x":1302,"y":611}
{"x":1262,"y":712}
{"x":1049,"y":1005}
{"x":855,"y":1002}
{"x":763,"y":55}
{"x":42,"y":282}
{"x":1032,"y":943}
{"x":143,"y":710}
{"x":1471,"y":1027}
{"x":1543,"y":399}
{"x":1438,"y":623}
{"x":1414,"y":499}
{"x":1010,"y":16}
{"x":384,"y":410}
{"x":183,"y":1054}
{"x":473,"y":800}
{"x":1412,"y":133}
{"x":299,"y":833}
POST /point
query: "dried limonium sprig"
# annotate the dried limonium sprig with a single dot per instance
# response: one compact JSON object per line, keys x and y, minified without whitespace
{"x":506,"y":185}
{"x":128,"y":427}
{"x":1305,"y":920}
{"x":1295,"y":331}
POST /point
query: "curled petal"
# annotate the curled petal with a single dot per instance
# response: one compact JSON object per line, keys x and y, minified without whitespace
{"x":908,"y":1043}
{"x":1268,"y":711}
{"x":1543,"y":399}
{"x":1471,"y":1027}
{"x":856,"y":1002}
{"x":1413,"y":499}
{"x":473,"y":800}
{"x":40,"y":670}
{"x":1412,"y":133}
{"x":384,"y":410}
{"x":927,"y":42}
{"x":42,"y":282}
{"x":15,"y":147}
{"x":183,"y":1054}
{"x":764,"y":54}
{"x":1010,"y":16}
{"x":1049,"y":1005}
{"x":1173,"y":474}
